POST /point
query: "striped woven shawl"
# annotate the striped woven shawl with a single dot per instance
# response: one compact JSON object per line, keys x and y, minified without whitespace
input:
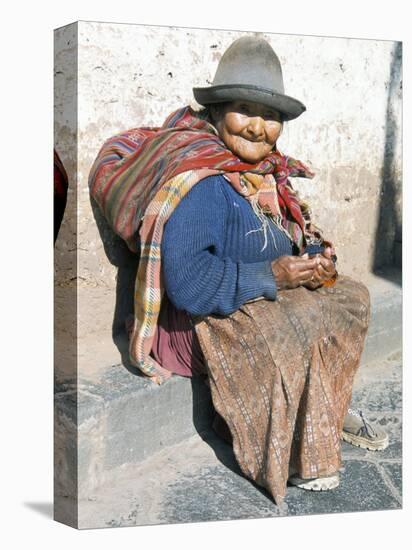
{"x":141,"y":175}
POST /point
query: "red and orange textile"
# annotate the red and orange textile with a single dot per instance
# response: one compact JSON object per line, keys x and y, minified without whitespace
{"x":60,"y":192}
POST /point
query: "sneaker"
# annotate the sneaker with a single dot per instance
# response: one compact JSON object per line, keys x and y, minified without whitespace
{"x":315,"y":484}
{"x":358,"y":431}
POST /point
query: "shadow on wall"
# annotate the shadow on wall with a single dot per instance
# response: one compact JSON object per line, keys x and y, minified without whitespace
{"x":126,"y":263}
{"x":388,"y":238}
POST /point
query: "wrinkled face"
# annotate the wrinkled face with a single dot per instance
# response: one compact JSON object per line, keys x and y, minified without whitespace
{"x":248,"y":129}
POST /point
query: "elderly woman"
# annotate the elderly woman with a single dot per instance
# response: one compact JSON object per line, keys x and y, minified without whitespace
{"x":234,"y":280}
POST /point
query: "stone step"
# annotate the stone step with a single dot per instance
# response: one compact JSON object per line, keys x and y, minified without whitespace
{"x":123,"y":418}
{"x":385,"y":328}
{"x":198,"y":479}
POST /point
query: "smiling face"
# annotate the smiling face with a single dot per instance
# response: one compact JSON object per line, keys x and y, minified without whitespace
{"x":250,"y":130}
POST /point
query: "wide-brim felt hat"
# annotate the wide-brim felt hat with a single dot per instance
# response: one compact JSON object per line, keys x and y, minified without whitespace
{"x":250,"y":70}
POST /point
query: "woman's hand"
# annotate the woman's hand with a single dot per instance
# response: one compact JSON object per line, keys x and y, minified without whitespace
{"x":324,"y":271}
{"x":294,"y":271}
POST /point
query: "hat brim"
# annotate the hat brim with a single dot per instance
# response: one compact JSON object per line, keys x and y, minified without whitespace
{"x":289,"y":107}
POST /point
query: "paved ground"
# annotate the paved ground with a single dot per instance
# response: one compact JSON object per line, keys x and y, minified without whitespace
{"x":199,"y":480}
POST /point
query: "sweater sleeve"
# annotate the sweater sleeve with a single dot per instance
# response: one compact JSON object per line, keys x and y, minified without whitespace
{"x":197,"y":277}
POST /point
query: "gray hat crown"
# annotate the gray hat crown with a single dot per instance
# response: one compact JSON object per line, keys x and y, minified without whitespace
{"x":250,"y":61}
{"x":250,"y":70}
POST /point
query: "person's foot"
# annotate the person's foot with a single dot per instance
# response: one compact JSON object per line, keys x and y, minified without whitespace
{"x":315,"y":484}
{"x":358,"y":431}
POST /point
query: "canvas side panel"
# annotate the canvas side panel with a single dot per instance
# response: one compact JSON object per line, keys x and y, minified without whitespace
{"x":65,"y":279}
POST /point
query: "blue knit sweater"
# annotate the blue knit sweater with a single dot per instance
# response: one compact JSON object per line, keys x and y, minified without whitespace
{"x":212,"y":254}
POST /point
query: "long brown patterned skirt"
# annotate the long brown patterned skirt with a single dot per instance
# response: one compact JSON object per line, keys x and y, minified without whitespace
{"x":281,"y":376}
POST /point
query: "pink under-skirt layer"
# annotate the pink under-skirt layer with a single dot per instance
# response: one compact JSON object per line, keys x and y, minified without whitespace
{"x":175,"y":345}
